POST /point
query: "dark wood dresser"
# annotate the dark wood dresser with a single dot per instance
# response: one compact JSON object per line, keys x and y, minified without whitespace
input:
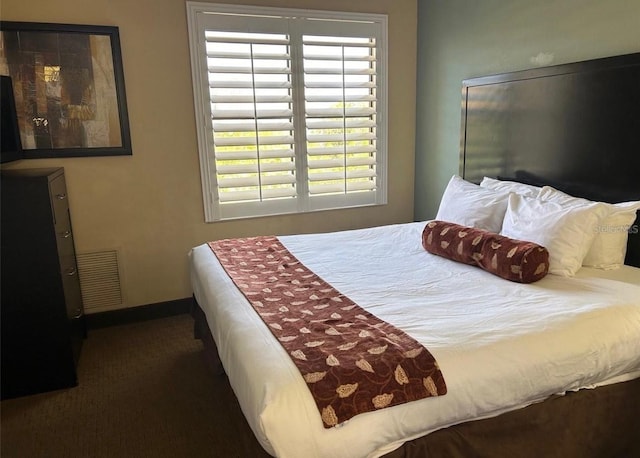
{"x":43,"y":323}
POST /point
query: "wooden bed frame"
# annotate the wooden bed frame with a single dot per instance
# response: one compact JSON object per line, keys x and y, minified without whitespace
{"x":573,"y":127}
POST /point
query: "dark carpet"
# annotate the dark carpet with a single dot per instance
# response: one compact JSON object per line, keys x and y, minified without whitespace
{"x":144,"y":391}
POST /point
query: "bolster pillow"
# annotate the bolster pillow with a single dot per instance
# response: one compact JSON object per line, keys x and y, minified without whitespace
{"x":514,"y":260}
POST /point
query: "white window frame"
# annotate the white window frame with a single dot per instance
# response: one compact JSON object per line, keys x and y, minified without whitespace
{"x":308,"y":21}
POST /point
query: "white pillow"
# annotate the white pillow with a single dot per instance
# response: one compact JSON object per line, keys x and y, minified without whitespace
{"x":566,"y":231}
{"x":609,"y":246}
{"x":510,"y":186}
{"x":468,"y":204}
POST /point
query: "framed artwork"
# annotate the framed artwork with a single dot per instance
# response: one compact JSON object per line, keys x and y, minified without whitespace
{"x":68,"y":83}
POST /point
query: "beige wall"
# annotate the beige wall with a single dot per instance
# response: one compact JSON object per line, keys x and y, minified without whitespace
{"x":149,"y":205}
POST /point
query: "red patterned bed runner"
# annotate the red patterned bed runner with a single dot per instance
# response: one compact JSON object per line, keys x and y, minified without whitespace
{"x":352,"y":361}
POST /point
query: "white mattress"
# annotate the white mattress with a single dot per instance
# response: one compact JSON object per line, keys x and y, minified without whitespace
{"x":501,"y":345}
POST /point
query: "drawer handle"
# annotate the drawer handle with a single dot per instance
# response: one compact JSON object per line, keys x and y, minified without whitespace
{"x":78,"y":314}
{"x":61,"y":196}
{"x":65,"y":234}
{"x":71,"y":272}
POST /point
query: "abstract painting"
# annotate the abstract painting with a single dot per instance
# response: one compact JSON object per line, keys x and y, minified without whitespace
{"x":69,"y":88}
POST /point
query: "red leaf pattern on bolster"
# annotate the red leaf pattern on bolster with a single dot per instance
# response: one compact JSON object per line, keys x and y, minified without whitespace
{"x":515,"y":260}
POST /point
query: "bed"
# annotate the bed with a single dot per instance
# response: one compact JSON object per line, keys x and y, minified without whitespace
{"x":548,"y":368}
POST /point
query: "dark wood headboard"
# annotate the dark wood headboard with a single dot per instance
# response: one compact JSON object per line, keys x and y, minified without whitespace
{"x":575,"y":127}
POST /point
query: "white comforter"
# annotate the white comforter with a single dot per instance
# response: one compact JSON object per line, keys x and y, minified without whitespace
{"x":500,"y":345}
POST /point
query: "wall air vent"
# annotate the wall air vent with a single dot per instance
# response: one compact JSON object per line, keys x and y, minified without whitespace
{"x":100,"y":280}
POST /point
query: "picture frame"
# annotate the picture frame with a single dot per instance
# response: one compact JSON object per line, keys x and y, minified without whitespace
{"x":69,"y":88}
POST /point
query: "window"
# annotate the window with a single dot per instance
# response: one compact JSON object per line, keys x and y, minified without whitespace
{"x":290,"y":109}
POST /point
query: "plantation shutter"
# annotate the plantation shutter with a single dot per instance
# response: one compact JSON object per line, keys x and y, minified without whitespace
{"x":340,"y":111}
{"x":250,"y":91}
{"x":292,"y":112}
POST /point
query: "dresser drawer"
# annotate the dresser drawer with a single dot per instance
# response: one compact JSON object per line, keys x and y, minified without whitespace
{"x":72,"y":293}
{"x":64,"y":240}
{"x":60,"y":204}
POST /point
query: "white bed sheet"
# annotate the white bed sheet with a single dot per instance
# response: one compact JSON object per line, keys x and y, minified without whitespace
{"x":501,"y":345}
